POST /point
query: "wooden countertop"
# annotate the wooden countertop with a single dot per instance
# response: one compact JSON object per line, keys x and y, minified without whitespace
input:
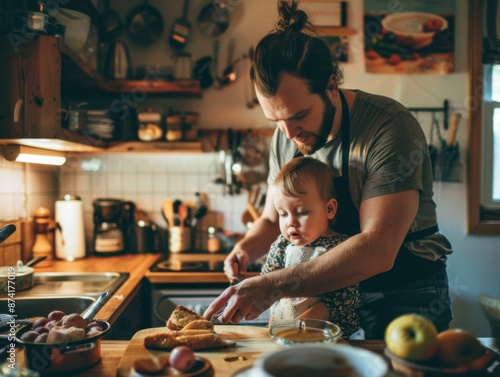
{"x":134,"y":264}
{"x":112,"y":352}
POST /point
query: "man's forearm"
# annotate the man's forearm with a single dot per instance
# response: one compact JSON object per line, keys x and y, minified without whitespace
{"x":354,"y":260}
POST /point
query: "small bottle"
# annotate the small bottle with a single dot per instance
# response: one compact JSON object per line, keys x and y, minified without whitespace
{"x":213,"y":241}
{"x":43,"y":246}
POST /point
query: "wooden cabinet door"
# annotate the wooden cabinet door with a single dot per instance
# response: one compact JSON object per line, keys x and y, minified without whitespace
{"x":31,"y":86}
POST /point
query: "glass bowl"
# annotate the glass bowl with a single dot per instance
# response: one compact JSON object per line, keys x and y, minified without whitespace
{"x":305,"y":331}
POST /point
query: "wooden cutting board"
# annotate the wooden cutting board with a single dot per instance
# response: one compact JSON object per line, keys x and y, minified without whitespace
{"x":251,"y":342}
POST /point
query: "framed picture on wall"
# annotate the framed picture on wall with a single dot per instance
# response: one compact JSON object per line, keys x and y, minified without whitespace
{"x":339,"y":45}
{"x":411,"y":37}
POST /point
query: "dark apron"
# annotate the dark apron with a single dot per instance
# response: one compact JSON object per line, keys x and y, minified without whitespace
{"x":407,"y":267}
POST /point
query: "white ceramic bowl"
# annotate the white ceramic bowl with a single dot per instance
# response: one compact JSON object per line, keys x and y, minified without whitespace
{"x":77,"y":27}
{"x":409,"y":28}
{"x":320,"y":360}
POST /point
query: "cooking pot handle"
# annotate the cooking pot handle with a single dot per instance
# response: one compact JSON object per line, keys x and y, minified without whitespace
{"x":94,"y":308}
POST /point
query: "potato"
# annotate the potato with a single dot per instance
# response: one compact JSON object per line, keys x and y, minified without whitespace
{"x":93,"y":331}
{"x":56,"y":315}
{"x":94,"y":324}
{"x":29,"y":336}
{"x":41,"y":330}
{"x":51,"y":324}
{"x":60,"y":334}
{"x":40,"y":322}
{"x":74,"y":320}
{"x":42,"y":338}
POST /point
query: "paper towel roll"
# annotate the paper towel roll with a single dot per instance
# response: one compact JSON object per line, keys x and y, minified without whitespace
{"x":70,"y":233}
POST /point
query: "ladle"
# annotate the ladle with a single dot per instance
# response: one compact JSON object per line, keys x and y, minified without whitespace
{"x":229,"y":73}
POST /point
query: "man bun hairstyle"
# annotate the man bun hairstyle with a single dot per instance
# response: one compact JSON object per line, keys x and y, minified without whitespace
{"x":293,"y":47}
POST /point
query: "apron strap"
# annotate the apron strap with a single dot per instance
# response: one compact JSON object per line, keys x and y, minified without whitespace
{"x":410,"y":237}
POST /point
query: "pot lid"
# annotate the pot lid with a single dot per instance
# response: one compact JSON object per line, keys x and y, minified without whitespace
{"x":19,"y":270}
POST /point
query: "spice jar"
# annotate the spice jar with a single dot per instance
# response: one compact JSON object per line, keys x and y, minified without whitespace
{"x":43,"y":239}
{"x":150,"y":124}
{"x":213,"y":240}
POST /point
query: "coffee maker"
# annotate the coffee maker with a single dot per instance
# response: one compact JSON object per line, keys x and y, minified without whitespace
{"x":108,"y":228}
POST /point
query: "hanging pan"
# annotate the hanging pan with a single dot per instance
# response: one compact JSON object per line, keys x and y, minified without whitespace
{"x":144,"y":24}
{"x":213,"y":19}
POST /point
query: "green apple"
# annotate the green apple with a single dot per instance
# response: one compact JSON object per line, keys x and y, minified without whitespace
{"x":411,"y":337}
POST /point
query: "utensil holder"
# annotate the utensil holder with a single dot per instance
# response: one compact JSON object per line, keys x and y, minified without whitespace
{"x":179,"y":240}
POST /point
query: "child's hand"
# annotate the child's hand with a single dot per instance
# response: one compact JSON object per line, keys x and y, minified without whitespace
{"x":317,"y":311}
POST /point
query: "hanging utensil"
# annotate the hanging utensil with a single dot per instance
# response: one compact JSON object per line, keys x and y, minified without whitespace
{"x":202,"y":71}
{"x":229,"y":73}
{"x":433,"y":152}
{"x":144,"y":24}
{"x":111,"y":23}
{"x":450,"y":149}
{"x":217,"y":82}
{"x":181,"y":29}
{"x":213,"y":19}
{"x":228,"y":163}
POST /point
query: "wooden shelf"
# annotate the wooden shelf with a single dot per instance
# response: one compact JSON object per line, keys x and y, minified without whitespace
{"x":79,"y":78}
{"x":335,"y":30}
{"x":155,"y":146}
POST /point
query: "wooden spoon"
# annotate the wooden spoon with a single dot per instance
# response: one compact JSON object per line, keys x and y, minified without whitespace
{"x":168,"y":211}
{"x":248,"y":216}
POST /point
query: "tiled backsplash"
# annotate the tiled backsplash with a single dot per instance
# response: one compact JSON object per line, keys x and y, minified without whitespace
{"x":144,"y":178}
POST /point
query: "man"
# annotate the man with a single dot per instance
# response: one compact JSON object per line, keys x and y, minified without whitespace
{"x":379,"y":155}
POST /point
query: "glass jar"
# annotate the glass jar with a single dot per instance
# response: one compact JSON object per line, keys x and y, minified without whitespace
{"x":213,"y":240}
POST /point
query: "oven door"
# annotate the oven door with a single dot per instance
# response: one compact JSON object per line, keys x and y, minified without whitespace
{"x":164,"y":301}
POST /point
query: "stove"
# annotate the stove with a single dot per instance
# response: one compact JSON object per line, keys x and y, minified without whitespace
{"x":196,"y":266}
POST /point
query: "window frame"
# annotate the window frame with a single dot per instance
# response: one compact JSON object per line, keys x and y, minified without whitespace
{"x":478,"y":222}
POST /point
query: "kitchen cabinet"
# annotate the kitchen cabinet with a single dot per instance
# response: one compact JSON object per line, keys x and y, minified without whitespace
{"x":135,"y":316}
{"x":39,"y":71}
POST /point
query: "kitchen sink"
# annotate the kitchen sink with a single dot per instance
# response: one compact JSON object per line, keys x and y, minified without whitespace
{"x":77,"y":283}
{"x":43,"y":305}
{"x":70,"y":292}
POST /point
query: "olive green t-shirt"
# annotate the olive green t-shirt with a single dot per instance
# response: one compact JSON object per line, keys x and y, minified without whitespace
{"x":388,"y":154}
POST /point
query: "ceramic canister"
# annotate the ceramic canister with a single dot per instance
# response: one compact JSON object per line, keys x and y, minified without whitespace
{"x":70,"y":233}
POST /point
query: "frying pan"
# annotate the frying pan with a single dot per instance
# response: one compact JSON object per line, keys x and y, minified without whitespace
{"x":213,"y":19}
{"x":144,"y":24}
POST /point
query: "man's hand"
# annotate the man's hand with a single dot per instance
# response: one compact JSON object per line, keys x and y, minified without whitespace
{"x":236,"y":263}
{"x":245,"y":300}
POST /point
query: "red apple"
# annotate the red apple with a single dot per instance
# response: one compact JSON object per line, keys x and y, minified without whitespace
{"x":411,"y":337}
{"x":456,"y":347}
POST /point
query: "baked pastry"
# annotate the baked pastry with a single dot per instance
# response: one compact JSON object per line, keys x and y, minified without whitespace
{"x":182,"y":317}
{"x":185,"y":327}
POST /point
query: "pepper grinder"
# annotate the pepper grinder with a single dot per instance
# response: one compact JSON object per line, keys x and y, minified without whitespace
{"x":43,"y":245}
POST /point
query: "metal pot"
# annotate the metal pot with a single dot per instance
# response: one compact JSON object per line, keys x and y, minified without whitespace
{"x":61,"y":358}
{"x":19,"y":277}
